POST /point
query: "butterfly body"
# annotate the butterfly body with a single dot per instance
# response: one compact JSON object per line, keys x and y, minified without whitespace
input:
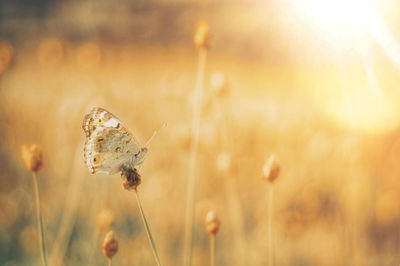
{"x":109,"y":145}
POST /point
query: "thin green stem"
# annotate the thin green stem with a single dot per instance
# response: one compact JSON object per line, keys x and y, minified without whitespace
{"x":212,"y":250}
{"x":270,"y":213}
{"x":146,"y":225}
{"x":191,"y":184}
{"x":39,"y":220}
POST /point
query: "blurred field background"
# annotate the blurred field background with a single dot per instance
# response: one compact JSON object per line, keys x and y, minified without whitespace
{"x":323,"y":99}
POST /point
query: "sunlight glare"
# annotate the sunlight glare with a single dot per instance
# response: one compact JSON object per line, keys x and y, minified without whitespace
{"x":337,"y":14}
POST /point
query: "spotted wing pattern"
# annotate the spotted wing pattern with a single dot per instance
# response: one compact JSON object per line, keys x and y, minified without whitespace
{"x":108,"y":144}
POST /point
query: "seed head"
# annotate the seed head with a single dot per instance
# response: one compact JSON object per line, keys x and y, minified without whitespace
{"x":104,"y":218}
{"x":130,"y":178}
{"x":110,"y":245}
{"x":212,"y":223}
{"x":202,"y":38}
{"x":32,"y":157}
{"x":271,"y":169}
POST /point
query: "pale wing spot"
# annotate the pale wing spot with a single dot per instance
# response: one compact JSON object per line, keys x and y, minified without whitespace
{"x":111,"y":123}
{"x":101,"y":115}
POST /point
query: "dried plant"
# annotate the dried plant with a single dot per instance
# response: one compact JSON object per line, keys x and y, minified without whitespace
{"x":202,"y":42}
{"x":201,"y":37}
{"x":130,"y":181}
{"x":33,"y":160}
{"x":110,"y":246}
{"x":212,"y":225}
{"x":270,"y":173}
{"x":271,"y":169}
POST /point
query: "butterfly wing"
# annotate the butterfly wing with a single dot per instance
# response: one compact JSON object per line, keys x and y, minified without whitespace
{"x":108,"y":143}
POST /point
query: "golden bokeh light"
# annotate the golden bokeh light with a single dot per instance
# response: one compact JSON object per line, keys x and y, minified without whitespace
{"x":88,"y":55}
{"x":50,"y":52}
{"x":302,"y":94}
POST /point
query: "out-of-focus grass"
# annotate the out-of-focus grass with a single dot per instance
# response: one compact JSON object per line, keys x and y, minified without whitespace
{"x":336,"y":200}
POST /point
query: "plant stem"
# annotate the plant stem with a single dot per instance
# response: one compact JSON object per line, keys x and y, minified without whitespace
{"x":109,"y":262}
{"x":146,"y":225}
{"x":191,"y":184}
{"x":39,"y":220}
{"x":270,"y":213}
{"x":212,"y":250}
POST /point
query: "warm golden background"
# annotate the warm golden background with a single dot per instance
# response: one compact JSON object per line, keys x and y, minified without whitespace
{"x":314,"y":82}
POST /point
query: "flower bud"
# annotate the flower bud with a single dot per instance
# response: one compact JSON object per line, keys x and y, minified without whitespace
{"x":32,"y":157}
{"x":271,"y":169}
{"x":202,"y":38}
{"x":212,"y":223}
{"x":130,"y":178}
{"x":110,"y":245}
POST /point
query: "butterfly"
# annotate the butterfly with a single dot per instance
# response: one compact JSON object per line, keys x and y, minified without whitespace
{"x":109,"y":146}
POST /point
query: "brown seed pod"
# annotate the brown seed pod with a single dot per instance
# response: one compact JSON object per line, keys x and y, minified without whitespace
{"x":130,"y":178}
{"x":271,"y":169}
{"x":212,"y":223}
{"x":32,"y":157}
{"x":202,"y":38}
{"x":110,"y":245}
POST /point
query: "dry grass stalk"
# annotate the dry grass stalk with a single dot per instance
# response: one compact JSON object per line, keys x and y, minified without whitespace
{"x":212,"y":225}
{"x":270,"y":173}
{"x":131,"y":180}
{"x":202,"y":42}
{"x":33,"y":160}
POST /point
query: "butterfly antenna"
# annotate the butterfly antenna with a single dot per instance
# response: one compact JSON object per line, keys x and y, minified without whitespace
{"x":154,"y":134}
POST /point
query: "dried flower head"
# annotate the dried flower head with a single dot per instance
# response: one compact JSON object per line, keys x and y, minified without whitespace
{"x":219,"y":85}
{"x":130,"y":178}
{"x":110,"y":245}
{"x":212,"y":223}
{"x":202,"y":38}
{"x":104,"y":218}
{"x":271,"y":169}
{"x":32,"y":157}
{"x":223,"y":162}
